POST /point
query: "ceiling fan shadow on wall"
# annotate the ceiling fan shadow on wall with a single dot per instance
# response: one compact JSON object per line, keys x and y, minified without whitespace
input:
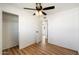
{"x":40,"y":10}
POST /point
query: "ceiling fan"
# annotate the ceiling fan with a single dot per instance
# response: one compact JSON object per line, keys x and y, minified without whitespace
{"x":40,"y":10}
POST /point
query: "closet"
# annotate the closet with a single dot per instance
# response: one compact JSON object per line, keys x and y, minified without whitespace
{"x":10,"y":30}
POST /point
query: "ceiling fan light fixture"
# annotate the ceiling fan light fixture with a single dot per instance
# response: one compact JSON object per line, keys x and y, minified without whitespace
{"x":39,"y":13}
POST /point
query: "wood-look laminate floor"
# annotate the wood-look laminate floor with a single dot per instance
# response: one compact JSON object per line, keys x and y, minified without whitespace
{"x":36,"y":49}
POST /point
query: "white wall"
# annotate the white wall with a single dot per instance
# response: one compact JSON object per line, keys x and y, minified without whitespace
{"x":38,"y":27}
{"x":0,"y":32}
{"x":28,"y":25}
{"x":63,"y":29}
{"x":10,"y":30}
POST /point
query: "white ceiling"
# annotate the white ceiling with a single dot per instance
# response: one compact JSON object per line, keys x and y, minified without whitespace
{"x":58,"y":6}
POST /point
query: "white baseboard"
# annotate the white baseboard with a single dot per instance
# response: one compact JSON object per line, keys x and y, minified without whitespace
{"x":10,"y":46}
{"x":28,"y":44}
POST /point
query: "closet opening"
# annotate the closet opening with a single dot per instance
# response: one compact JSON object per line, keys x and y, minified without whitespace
{"x":10,"y":31}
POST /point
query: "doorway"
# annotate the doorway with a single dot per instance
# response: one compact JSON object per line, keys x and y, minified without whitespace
{"x":10,"y":31}
{"x":44,"y":31}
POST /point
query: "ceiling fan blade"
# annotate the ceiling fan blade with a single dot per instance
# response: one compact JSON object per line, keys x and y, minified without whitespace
{"x":29,"y":8}
{"x":48,"y":8}
{"x":44,"y":13}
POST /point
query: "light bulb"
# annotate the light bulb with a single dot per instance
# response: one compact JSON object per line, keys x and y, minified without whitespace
{"x":40,"y":13}
{"x":37,"y":13}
